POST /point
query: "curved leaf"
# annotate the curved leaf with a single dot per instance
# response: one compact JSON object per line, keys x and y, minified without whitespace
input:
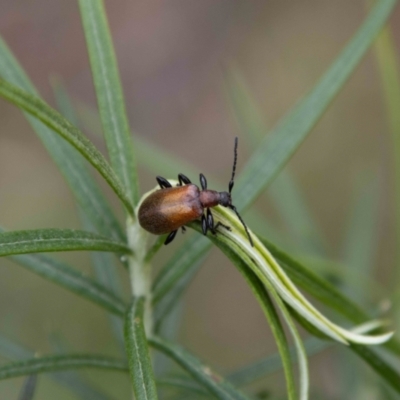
{"x":316,"y":286}
{"x":268,"y":308}
{"x":69,"y":379}
{"x":109,"y":94}
{"x":57,"y":363}
{"x":28,"y":388}
{"x":71,"y":163}
{"x":215,"y":383}
{"x":379,"y":364}
{"x":47,"y":240}
{"x":280,"y":144}
{"x":276,"y":149}
{"x":54,"y":120}
{"x":140,"y":367}
{"x":71,"y":279}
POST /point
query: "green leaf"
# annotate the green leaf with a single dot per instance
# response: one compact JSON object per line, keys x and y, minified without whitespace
{"x":276,"y":149}
{"x":176,"y":268}
{"x":106,"y":272}
{"x":388,"y":63}
{"x":58,"y":363}
{"x":46,"y":240}
{"x":72,"y":280}
{"x":28,"y":388}
{"x":316,"y":286}
{"x":183,"y":383}
{"x":109,"y":94}
{"x":361,"y":240}
{"x":54,"y":120}
{"x":202,"y":373}
{"x":273,"y":363}
{"x":268,"y":308}
{"x":69,"y":379}
{"x":379,"y":365}
{"x":140,"y":367}
{"x":71,"y":163}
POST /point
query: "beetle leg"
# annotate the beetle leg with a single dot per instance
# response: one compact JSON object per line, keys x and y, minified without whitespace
{"x":210,"y":221}
{"x":203,"y":182}
{"x":204,"y":224}
{"x":228,"y":228}
{"x":163,"y":182}
{"x":183,"y":179}
{"x":183,"y":229}
{"x":170,"y":237}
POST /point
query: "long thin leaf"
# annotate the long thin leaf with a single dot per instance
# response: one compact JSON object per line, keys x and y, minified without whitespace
{"x":273,"y":363}
{"x":184,"y":383}
{"x":268,"y":308}
{"x":318,"y":287}
{"x":360,"y":245}
{"x":54,"y":120}
{"x":274,"y":151}
{"x":47,"y":240}
{"x":28,"y":388}
{"x":71,"y":163}
{"x":379,"y":365}
{"x":278,"y":147}
{"x":72,"y":280}
{"x":177,"y":266}
{"x":208,"y":378}
{"x":283,"y":192}
{"x":388,"y":63}
{"x":60,"y":362}
{"x":140,"y":367}
{"x":106,"y":272}
{"x":109,"y":94}
{"x":69,"y":379}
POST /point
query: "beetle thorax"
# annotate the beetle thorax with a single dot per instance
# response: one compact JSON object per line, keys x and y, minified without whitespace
{"x":211,"y":198}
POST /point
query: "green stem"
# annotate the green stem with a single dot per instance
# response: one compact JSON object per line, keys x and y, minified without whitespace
{"x":140,"y":271}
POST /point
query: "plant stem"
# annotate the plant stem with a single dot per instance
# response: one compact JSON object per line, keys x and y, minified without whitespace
{"x":140,"y":271}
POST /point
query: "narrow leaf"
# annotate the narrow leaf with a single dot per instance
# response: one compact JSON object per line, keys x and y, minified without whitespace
{"x":268,"y":308}
{"x":315,"y":285}
{"x":71,"y":163}
{"x":388,"y":63}
{"x":379,"y":365}
{"x":140,"y":367}
{"x":177,"y":266}
{"x":109,"y":94}
{"x":275,"y":150}
{"x":183,"y":383}
{"x":54,"y":120}
{"x":72,"y":280}
{"x":28,"y":388}
{"x":273,"y":363}
{"x":360,"y":245}
{"x":46,"y":240}
{"x":69,"y":379}
{"x":208,"y":378}
{"x":58,"y":363}
{"x":284,"y":193}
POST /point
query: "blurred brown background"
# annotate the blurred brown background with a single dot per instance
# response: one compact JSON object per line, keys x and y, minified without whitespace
{"x":172,"y":56}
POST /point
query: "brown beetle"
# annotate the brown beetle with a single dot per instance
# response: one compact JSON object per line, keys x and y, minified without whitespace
{"x":170,"y":208}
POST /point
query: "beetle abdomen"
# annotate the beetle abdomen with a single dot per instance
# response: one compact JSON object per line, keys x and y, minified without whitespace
{"x":168,"y":209}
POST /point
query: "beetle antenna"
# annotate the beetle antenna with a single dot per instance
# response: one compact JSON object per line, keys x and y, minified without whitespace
{"x":231,"y":183}
{"x":244,"y":225}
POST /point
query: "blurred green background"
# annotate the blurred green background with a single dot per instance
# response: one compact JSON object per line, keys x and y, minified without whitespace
{"x":173,"y":58}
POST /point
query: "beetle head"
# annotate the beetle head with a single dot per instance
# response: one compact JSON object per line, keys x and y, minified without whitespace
{"x":225,"y":199}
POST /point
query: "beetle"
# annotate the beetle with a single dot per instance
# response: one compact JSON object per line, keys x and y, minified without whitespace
{"x":170,"y":208}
